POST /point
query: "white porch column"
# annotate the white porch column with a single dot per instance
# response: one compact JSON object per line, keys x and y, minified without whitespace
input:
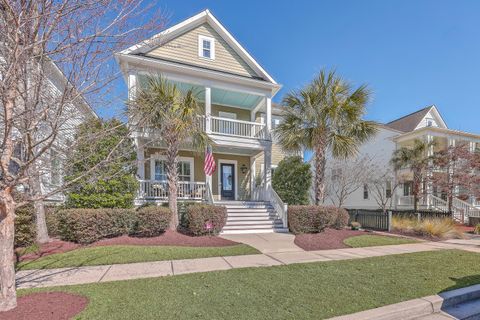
{"x":252,"y":176}
{"x":268,"y":114}
{"x":140,"y":158}
{"x":132,"y":84}
{"x":267,"y":167}
{"x":430,"y":153}
{"x":208,"y":109}
{"x":472,"y":146}
{"x":452,"y":142}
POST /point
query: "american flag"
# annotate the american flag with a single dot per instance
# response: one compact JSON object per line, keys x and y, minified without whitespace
{"x":210,"y":165}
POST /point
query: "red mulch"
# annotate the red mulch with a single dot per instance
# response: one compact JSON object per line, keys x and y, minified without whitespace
{"x":329,"y":239}
{"x":169,"y":238}
{"x":46,"y":305}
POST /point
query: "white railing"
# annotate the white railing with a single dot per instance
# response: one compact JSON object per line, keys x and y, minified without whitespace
{"x":158,"y":190}
{"x":238,"y":128}
{"x":464,"y":209}
{"x":258,"y":194}
{"x":280,"y":207}
{"x":437,"y":203}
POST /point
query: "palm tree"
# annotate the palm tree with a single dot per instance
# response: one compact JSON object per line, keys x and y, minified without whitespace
{"x":174,"y":115}
{"x":417,"y":159}
{"x":326,"y":114}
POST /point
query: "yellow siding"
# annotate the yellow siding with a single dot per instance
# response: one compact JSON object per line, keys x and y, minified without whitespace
{"x":184,"y":49}
{"x":242,"y":114}
{"x":277,"y":156}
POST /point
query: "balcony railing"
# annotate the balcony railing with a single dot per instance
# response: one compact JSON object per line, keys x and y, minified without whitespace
{"x":238,"y":128}
{"x":158,"y":190}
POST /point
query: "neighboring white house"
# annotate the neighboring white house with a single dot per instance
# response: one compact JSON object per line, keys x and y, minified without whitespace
{"x":426,"y":124}
{"x":69,"y":113}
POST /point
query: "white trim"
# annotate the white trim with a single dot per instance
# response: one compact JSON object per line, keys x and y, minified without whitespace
{"x":201,"y":38}
{"x":204,"y":16}
{"x":235,"y":163}
{"x":158,"y":156}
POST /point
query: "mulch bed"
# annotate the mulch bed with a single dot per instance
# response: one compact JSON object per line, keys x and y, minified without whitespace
{"x":329,"y":239}
{"x":46,"y":305}
{"x":169,"y":238}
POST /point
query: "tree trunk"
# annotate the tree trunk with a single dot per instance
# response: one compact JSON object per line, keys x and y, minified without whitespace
{"x":8,"y":295}
{"x":172,"y":176}
{"x":320,"y":160}
{"x":39,"y":208}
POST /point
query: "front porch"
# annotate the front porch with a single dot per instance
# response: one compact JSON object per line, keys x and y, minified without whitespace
{"x":238,"y":177}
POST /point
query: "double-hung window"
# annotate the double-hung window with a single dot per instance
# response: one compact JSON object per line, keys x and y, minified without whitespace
{"x":184,"y":168}
{"x":206,"y":47}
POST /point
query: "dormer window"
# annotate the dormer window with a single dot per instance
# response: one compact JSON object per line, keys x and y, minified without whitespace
{"x":206,"y":47}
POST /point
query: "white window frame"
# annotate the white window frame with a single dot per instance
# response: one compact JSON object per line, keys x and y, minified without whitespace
{"x":162,"y":157}
{"x":212,"y":47}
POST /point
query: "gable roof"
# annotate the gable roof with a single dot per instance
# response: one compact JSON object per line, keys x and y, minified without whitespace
{"x":203,"y":17}
{"x":409,"y":122}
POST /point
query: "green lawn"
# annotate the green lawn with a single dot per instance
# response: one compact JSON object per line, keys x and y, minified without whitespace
{"x":298,"y":291}
{"x":375,"y":240}
{"x":94,"y":256}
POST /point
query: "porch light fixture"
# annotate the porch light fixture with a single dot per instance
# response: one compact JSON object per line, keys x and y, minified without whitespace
{"x":243,"y":169}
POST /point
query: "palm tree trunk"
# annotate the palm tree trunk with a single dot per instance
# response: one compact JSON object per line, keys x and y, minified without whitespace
{"x":172,"y":176}
{"x":8,"y":295}
{"x":320,"y":160}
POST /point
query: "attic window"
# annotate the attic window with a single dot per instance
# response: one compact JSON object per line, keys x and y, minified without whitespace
{"x":206,"y":47}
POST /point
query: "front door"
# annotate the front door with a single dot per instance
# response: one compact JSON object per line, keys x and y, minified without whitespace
{"x":227,"y":181}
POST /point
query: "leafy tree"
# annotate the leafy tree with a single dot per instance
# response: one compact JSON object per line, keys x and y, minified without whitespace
{"x":292,"y":180}
{"x":105,"y":146}
{"x":326,"y":114}
{"x":417,"y":159}
{"x":174,"y":115}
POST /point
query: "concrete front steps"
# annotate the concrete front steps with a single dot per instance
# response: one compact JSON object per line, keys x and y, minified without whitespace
{"x":251,"y":217}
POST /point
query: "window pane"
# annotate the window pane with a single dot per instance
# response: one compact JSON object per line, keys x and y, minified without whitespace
{"x":160,"y":170}
{"x":206,"y":44}
{"x":206,"y":53}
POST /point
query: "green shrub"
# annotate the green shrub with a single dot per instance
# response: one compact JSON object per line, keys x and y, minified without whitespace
{"x":341,"y":218}
{"x":89,"y":225}
{"x":314,"y":219}
{"x":151,"y":221}
{"x":292,"y":180}
{"x":203,"y":219}
{"x":25,"y":230}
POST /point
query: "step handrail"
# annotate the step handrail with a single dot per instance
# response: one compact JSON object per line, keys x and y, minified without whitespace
{"x":280,"y":207}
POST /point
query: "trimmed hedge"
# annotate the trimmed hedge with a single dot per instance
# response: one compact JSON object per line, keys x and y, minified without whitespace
{"x":204,"y":219}
{"x":25,"y":229}
{"x":89,"y":225}
{"x":151,"y":221}
{"x":314,"y":219}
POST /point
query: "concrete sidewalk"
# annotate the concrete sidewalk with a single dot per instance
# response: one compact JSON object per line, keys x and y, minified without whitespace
{"x":267,"y":242}
{"x":95,"y":274}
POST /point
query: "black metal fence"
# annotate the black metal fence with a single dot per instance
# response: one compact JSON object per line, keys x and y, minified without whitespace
{"x":379,"y":220}
{"x":370,"y":219}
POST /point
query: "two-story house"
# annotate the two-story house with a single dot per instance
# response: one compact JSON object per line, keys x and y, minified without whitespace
{"x":427,"y":125}
{"x":236,"y":94}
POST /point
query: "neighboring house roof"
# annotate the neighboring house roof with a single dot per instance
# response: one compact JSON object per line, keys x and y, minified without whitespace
{"x":409,"y":122}
{"x":181,"y":28}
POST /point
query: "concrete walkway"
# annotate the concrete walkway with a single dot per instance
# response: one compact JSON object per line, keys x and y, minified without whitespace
{"x":267,"y":242}
{"x":95,"y":274}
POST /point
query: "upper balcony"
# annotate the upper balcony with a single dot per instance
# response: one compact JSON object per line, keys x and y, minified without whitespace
{"x":233,"y":117}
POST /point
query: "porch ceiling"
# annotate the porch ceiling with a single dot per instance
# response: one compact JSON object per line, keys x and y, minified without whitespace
{"x":223,"y":97}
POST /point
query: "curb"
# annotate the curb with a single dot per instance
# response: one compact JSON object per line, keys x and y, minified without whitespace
{"x":416,"y":308}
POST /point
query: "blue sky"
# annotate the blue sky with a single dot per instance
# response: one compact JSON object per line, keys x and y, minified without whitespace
{"x":411,"y":53}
